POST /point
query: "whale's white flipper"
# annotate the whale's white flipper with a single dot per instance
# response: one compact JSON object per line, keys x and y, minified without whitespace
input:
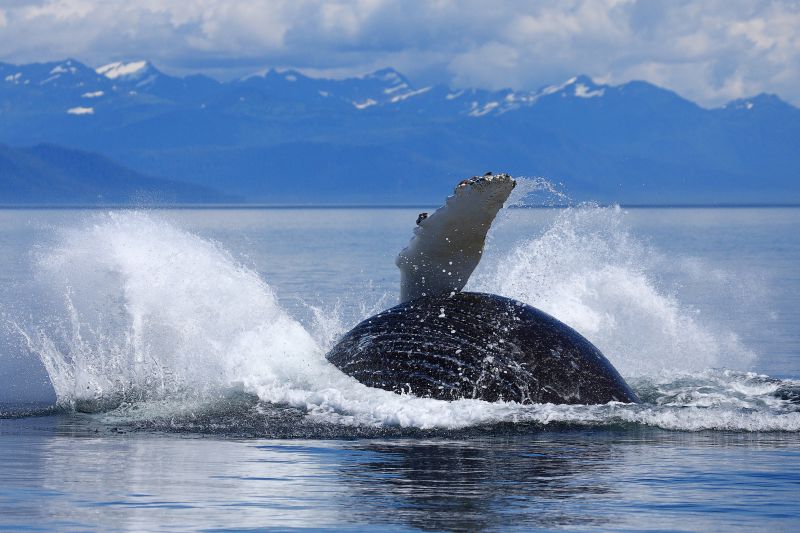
{"x":448,"y":244}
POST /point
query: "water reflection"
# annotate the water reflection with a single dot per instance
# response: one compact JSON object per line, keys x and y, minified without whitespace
{"x":483,"y":483}
{"x":69,"y":473}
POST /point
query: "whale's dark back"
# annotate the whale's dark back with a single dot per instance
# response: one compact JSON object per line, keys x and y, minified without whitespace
{"x":483,"y":346}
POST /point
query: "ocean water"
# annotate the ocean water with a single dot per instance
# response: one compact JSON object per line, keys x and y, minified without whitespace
{"x":164,"y":370}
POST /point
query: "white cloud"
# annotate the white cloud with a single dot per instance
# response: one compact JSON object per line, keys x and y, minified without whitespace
{"x":709,"y":51}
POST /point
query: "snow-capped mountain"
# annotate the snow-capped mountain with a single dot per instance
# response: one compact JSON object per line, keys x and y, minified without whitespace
{"x":135,"y":70}
{"x":381,"y":138}
{"x":386,"y":88}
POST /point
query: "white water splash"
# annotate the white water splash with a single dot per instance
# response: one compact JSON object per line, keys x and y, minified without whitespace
{"x":150,"y":312}
{"x":588,"y":271}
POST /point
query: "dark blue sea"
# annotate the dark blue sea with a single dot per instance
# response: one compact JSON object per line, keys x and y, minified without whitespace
{"x":164,"y":370}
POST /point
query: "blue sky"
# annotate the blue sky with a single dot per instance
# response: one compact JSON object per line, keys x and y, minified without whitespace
{"x":710,"y":51}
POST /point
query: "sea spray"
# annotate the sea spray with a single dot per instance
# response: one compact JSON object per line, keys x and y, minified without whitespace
{"x":158,"y":321}
{"x":588,"y":270}
{"x":151,"y":311}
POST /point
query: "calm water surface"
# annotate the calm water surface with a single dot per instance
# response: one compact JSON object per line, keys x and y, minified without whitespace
{"x":684,"y":301}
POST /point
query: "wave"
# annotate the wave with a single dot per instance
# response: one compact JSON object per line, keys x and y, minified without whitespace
{"x":152,"y":325}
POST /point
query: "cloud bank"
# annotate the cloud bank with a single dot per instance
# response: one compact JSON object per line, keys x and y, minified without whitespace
{"x":711,"y":51}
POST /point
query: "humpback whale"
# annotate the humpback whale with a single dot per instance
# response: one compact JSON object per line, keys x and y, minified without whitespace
{"x":441,"y":342}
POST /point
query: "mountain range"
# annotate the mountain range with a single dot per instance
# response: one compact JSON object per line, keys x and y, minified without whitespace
{"x":52,"y":175}
{"x":282,"y":137}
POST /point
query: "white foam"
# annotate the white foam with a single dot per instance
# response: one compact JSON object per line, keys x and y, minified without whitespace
{"x":590,"y":272}
{"x":149,"y":312}
{"x":156,"y":310}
